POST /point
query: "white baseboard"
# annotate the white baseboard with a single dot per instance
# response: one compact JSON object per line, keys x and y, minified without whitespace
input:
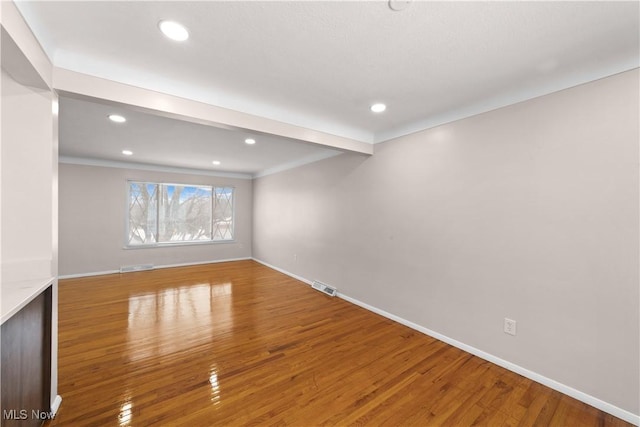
{"x":302,"y":279}
{"x":95,"y":273}
{"x":569,"y":391}
{"x":188,"y":264}
{"x":56,"y":404}
{"x":155,"y":267}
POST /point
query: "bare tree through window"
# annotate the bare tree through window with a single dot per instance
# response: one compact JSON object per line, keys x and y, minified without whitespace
{"x":168,"y":213}
{"x":142,"y":213}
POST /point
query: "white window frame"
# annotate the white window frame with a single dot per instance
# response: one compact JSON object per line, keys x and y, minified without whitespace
{"x":185,"y":242}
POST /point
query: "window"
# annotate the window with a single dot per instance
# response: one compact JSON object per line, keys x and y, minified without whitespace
{"x":173,"y":213}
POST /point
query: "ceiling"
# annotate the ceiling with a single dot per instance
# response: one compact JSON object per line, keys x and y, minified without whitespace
{"x":87,"y":133}
{"x":321,"y":65}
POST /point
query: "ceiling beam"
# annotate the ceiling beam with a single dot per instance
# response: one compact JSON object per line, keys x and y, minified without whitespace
{"x":22,"y":55}
{"x":83,"y":86}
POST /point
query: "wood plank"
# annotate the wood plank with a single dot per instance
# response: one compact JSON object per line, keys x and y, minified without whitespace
{"x":240,"y":344}
{"x":26,"y":363}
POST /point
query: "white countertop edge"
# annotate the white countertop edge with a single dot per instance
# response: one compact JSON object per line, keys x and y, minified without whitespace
{"x":16,"y":295}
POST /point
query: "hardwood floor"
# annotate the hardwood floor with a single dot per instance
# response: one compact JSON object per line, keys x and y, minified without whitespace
{"x":238,"y":343}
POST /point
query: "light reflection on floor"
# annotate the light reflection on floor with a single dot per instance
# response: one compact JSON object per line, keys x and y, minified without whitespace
{"x":177,"y":318}
{"x":125,"y":415}
{"x":215,"y":387}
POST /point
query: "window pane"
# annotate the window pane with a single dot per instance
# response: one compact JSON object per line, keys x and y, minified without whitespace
{"x":223,"y":214}
{"x":185,"y":213}
{"x":142,"y":213}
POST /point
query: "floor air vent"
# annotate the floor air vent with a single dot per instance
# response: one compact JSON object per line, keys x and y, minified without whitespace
{"x":130,"y":268}
{"x":325,"y":289}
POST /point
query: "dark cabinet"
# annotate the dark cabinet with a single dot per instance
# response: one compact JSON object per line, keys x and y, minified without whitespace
{"x":26,"y":364}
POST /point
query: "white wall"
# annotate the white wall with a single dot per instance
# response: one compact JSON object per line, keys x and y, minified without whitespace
{"x":29,"y":173}
{"x":93,"y":209}
{"x":528,"y":212}
{"x":27,"y":229}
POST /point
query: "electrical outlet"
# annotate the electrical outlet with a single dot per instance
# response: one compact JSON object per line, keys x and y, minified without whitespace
{"x":295,"y":257}
{"x":509,"y":326}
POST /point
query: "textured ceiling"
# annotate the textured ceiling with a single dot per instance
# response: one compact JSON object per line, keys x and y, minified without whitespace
{"x":321,"y":64}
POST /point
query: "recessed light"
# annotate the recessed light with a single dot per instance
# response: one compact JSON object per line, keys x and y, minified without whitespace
{"x":399,"y":5}
{"x":216,"y":162}
{"x":378,"y":108}
{"x":117,"y":118}
{"x":127,"y":152}
{"x":173,"y":30}
{"x":250,"y":141}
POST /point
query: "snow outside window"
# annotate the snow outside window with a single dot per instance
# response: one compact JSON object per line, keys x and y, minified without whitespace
{"x":172,"y":213}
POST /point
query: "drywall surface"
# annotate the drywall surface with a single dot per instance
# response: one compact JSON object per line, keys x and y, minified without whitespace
{"x":27,"y":133}
{"x":93,"y":212}
{"x":528,"y":212}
